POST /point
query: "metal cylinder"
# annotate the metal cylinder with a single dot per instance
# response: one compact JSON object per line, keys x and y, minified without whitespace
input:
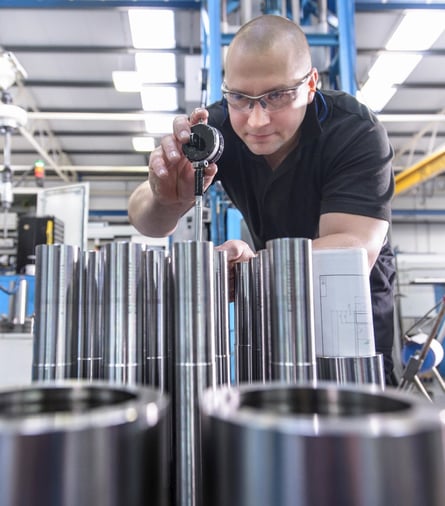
{"x":292,"y":311}
{"x":244,"y":305}
{"x":155,"y":314}
{"x":362,"y":370}
{"x":325,"y":445}
{"x":18,"y":300}
{"x":123,"y":319}
{"x":222,"y":338}
{"x":56,"y":312}
{"x":194,"y":359}
{"x":261,"y":336}
{"x":71,"y":444}
{"x":91,"y":335}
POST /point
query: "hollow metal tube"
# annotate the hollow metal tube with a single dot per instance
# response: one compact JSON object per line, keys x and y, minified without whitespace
{"x":91,"y":335}
{"x":243,"y":323}
{"x":261,"y":335}
{"x":327,"y":445}
{"x":292,"y":309}
{"x":360,"y":370}
{"x":123,"y":320}
{"x":83,"y":444}
{"x":222,"y":348}
{"x":56,"y":312}
{"x":155,"y":315}
{"x":194,"y":359}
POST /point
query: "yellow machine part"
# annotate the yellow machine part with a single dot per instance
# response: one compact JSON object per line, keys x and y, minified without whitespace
{"x":429,"y":167}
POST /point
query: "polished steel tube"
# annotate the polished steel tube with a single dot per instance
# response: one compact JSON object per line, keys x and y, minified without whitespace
{"x":91,"y":335}
{"x":193,"y":282}
{"x":123,"y":319}
{"x":360,"y":370}
{"x":83,"y":444}
{"x":261,"y":336}
{"x":222,"y":345}
{"x":244,"y":304}
{"x":155,"y":318}
{"x":18,"y":300}
{"x":292,"y":311}
{"x":326,"y":445}
{"x":56,"y":312}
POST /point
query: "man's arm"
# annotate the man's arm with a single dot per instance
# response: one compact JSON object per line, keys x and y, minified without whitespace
{"x":337,"y":230}
{"x":149,"y":216}
{"x":156,"y":205}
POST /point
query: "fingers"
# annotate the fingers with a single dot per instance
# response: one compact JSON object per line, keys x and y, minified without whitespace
{"x":237,"y":251}
{"x":182,"y":124}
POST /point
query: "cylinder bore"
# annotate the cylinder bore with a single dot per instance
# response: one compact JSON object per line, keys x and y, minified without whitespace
{"x":323,"y":445}
{"x":75,"y":443}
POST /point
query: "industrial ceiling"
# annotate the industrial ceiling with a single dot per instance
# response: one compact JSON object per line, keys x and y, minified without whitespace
{"x":83,"y":128}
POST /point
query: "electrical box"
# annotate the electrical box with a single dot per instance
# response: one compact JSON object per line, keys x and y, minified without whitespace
{"x":35,"y":230}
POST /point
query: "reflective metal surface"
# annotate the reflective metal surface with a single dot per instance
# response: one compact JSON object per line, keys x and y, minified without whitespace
{"x":244,"y":303}
{"x":328,"y":445}
{"x":222,"y":337}
{"x":75,"y":444}
{"x":123,"y":320}
{"x":361,"y":370}
{"x":56,"y":312}
{"x":156,"y":312}
{"x":292,"y":310}
{"x":194,"y":360}
{"x":91,"y":317}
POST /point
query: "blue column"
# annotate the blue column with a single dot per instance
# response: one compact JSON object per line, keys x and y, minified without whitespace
{"x":346,"y":45}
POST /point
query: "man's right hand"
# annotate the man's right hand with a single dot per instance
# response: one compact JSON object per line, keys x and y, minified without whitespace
{"x":157,"y":204}
{"x":171,"y":174}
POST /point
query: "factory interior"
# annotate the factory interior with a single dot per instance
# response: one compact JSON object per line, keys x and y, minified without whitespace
{"x":132,"y":372}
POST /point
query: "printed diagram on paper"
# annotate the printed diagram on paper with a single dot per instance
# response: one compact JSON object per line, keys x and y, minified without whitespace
{"x":345,"y":316}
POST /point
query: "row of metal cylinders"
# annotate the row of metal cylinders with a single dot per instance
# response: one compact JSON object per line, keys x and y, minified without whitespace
{"x":130,"y":314}
{"x":125,"y":312}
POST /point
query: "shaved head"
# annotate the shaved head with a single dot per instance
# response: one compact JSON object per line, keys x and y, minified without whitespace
{"x":268,"y":33}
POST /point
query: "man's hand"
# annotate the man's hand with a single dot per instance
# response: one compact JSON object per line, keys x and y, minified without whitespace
{"x":237,"y":251}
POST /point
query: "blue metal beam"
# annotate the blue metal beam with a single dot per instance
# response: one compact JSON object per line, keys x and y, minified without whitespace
{"x":315,"y":39}
{"x":99,"y":4}
{"x":346,"y":45}
{"x":215,"y":50}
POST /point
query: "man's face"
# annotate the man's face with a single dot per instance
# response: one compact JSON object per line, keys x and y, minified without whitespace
{"x":267,"y":132}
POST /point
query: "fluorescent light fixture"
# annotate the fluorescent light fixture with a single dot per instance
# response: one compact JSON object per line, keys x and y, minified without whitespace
{"x":156,"y":67}
{"x":126,"y":81}
{"x":393,"y":68}
{"x":159,"y":98}
{"x":143,"y":144}
{"x":374,"y":95}
{"x":152,"y":28}
{"x":159,"y":124}
{"x":418,"y":30}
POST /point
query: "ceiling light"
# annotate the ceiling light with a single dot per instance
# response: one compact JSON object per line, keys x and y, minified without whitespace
{"x":143,"y":144}
{"x":156,"y":67}
{"x":393,"y":68}
{"x":418,"y":30}
{"x":374,"y":95}
{"x":160,"y":124}
{"x":159,"y":98}
{"x":152,"y":28}
{"x":126,"y":80}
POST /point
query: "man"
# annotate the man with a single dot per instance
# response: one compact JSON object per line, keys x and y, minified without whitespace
{"x":297,"y":161}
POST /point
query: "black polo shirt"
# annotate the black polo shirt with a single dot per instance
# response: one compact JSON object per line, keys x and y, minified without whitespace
{"x":342,"y":164}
